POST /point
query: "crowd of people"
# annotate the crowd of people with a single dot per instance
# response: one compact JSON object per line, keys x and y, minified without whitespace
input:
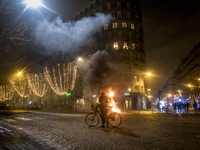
{"x":180,"y":106}
{"x":183,"y":107}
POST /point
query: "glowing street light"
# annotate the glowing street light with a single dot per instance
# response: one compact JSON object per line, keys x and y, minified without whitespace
{"x":148,"y":74}
{"x":19,"y":73}
{"x":80,"y":59}
{"x":33,"y":3}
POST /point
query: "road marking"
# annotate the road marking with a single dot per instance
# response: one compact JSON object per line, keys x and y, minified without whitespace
{"x":5,"y":129}
{"x":21,"y":118}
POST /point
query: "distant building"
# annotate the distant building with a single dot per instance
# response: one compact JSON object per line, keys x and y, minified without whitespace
{"x":123,"y":40}
{"x":185,"y":81}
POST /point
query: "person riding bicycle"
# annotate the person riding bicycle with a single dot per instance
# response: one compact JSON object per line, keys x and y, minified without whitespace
{"x":103,"y":100}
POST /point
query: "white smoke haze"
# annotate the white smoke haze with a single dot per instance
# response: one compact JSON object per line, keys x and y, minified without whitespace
{"x":67,"y":36}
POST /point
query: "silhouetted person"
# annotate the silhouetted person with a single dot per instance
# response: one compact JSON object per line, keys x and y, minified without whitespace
{"x":187,"y":106}
{"x":158,"y":105}
{"x":103,"y":100}
{"x":184,"y":107}
{"x":175,"y":107}
{"x":179,"y":107}
{"x":195,"y":106}
{"x":148,"y":104}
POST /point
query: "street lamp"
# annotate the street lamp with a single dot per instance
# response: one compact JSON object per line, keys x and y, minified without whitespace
{"x":33,"y":3}
{"x":19,"y":73}
{"x":80,"y":59}
{"x":148,"y":74}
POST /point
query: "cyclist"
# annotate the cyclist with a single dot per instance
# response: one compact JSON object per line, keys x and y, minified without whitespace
{"x":103,"y":100}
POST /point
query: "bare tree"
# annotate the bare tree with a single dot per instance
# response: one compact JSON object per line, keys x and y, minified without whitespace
{"x":12,"y":31}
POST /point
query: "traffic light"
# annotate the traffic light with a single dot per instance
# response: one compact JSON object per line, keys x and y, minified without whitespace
{"x":68,"y":92}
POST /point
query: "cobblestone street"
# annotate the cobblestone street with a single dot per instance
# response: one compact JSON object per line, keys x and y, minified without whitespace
{"x":40,"y":130}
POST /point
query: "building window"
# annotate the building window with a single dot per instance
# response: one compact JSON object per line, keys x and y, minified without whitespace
{"x":125,"y":45}
{"x":106,"y":27}
{"x":91,"y":6}
{"x":126,"y":103}
{"x":114,"y":5}
{"x":115,"y":45}
{"x":104,"y":7}
{"x":114,"y":14}
{"x":114,"y":25}
{"x":107,"y":46}
{"x":124,"y":24}
{"x":133,"y":45}
{"x":136,"y":88}
{"x":132,"y":26}
{"x":123,"y":14}
{"x":130,"y":104}
{"x":123,"y":4}
{"x":97,"y":2}
{"x":138,"y":78}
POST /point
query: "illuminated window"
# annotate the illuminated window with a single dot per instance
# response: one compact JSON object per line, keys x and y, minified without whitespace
{"x":125,"y":45}
{"x":130,"y":104}
{"x":136,"y":88}
{"x":133,"y":45}
{"x":106,"y":27}
{"x":124,"y":24}
{"x":115,"y":45}
{"x":142,"y":88}
{"x":126,"y":102}
{"x":114,"y":25}
{"x":132,"y":26}
{"x":107,"y":46}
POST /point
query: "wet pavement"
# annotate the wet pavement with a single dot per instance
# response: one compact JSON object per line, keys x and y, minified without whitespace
{"x":139,"y":130}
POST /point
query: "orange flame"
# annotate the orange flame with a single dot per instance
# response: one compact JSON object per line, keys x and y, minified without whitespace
{"x":112,"y":103}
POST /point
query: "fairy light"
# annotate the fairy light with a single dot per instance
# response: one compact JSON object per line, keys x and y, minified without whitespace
{"x":6,"y":93}
{"x":38,"y":84}
{"x":21,"y":87}
{"x":61,"y":81}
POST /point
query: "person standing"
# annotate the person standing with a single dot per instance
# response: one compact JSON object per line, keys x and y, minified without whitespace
{"x":103,"y":100}
{"x":158,"y":105}
{"x":195,"y":106}
{"x":175,"y":107}
{"x":187,"y":105}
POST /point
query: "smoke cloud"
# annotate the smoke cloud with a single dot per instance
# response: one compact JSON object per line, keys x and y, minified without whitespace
{"x":68,"y":36}
{"x":98,"y":71}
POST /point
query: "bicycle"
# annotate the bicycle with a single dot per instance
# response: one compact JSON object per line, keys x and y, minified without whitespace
{"x":113,"y":119}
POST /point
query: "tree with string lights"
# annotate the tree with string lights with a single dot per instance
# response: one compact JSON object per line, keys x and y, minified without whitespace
{"x":20,"y":85}
{"x":37,"y":84}
{"x":62,"y":78}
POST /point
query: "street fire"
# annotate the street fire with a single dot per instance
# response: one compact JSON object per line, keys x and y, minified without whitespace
{"x":112,"y":103}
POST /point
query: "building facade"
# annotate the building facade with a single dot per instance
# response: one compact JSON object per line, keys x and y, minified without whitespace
{"x":123,"y":41}
{"x":185,"y":81}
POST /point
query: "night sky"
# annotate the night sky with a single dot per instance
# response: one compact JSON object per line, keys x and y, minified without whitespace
{"x":171,"y":30}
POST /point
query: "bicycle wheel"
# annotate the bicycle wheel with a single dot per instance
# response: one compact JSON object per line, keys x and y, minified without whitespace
{"x":92,"y":119}
{"x":114,"y":119}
